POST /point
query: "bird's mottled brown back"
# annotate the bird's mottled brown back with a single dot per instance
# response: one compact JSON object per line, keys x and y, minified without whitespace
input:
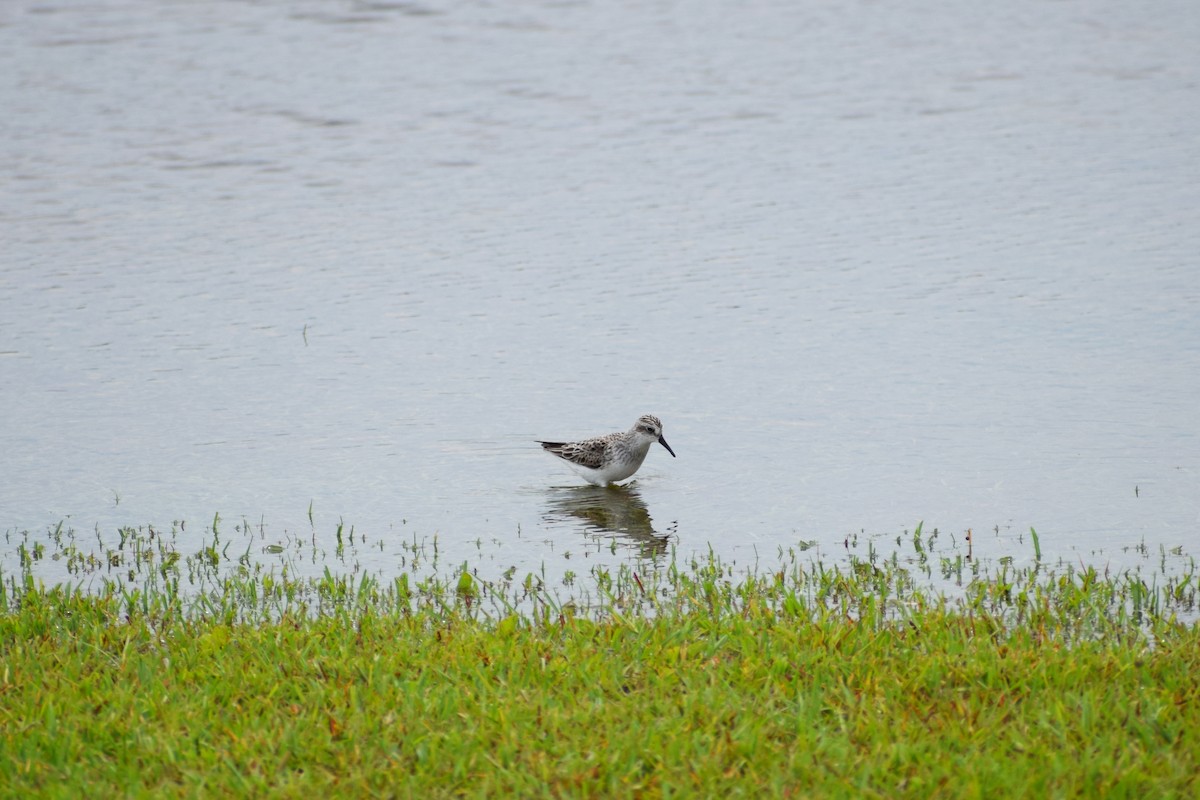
{"x":588,"y":453}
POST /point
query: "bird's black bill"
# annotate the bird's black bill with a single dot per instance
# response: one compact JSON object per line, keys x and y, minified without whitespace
{"x":663,"y":442}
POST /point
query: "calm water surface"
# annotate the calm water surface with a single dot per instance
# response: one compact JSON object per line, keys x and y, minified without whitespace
{"x":870,"y":264}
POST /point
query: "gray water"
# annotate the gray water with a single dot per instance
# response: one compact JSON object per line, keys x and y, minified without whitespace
{"x":872,"y":264}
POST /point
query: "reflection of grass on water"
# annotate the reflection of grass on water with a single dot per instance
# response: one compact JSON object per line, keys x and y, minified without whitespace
{"x":199,"y":672}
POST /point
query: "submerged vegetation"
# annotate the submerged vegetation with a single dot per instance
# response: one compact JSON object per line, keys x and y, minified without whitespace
{"x":190,"y":669}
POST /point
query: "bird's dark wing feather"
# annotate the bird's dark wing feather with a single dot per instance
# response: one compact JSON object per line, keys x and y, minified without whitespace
{"x":589,"y":453}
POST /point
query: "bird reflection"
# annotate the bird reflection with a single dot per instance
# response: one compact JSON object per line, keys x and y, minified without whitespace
{"x":611,"y":511}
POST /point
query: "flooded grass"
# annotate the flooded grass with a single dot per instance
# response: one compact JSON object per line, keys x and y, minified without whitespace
{"x":197,"y":671}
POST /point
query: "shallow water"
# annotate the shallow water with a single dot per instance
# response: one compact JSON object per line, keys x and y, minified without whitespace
{"x":870,"y":265}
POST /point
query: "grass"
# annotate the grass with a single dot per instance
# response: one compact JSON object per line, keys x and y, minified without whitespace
{"x":686,"y":677}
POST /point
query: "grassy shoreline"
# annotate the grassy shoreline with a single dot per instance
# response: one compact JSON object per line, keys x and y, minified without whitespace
{"x":681,"y":677}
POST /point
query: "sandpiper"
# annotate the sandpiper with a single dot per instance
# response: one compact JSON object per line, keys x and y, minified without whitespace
{"x":611,"y":458}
